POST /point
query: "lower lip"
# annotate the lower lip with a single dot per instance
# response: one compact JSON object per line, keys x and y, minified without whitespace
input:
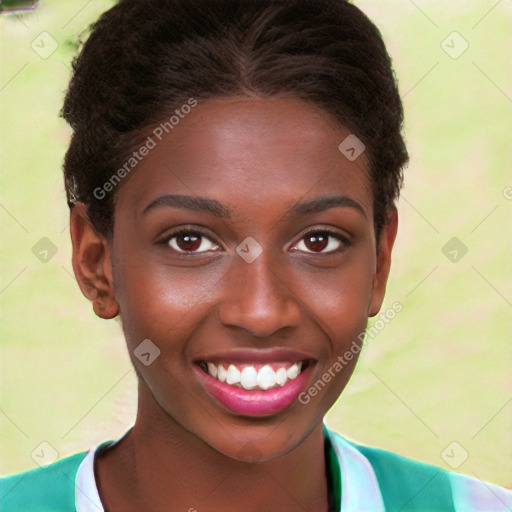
{"x":254,"y":403}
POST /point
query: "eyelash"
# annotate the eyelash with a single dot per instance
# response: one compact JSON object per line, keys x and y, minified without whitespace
{"x":345,"y":242}
{"x":185,"y":231}
{"x":196,"y":231}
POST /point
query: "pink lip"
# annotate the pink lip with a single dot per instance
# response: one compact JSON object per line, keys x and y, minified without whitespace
{"x":256,"y":356}
{"x":254,"y":403}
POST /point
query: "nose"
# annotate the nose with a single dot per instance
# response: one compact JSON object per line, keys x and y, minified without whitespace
{"x":258,"y":298}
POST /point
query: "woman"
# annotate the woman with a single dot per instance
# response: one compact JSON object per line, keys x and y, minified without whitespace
{"x":231,"y":179}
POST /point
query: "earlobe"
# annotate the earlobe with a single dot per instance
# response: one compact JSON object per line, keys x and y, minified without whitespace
{"x":92,"y":263}
{"x":386,"y":242}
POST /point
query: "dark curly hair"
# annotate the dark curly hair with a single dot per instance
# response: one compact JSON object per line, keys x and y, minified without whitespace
{"x":145,"y":58}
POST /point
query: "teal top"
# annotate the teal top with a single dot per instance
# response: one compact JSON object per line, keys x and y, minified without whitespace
{"x":360,"y":479}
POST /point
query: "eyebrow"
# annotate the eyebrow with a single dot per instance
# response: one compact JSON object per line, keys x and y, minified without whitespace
{"x":320,"y":204}
{"x":216,"y":208}
{"x":202,"y":204}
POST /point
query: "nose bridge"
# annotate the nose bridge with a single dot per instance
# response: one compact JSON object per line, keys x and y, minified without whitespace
{"x":257,"y":298}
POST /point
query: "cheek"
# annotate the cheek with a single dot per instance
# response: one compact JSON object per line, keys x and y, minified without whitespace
{"x":339,"y":299}
{"x":166,"y":302}
{"x":339,"y":307}
{"x":160,"y":302}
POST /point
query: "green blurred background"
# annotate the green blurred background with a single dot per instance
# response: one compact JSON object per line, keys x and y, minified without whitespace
{"x":438,"y":374}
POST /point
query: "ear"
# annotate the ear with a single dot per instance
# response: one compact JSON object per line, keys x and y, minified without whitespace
{"x":385,"y":247}
{"x":92,"y":263}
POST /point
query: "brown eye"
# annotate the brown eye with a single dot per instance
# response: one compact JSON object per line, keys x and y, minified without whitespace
{"x":316,"y":242}
{"x":190,"y":242}
{"x":322,"y":242}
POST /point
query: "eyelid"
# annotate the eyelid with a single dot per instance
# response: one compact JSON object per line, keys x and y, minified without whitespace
{"x":344,"y":239}
{"x":164,"y":240}
{"x":204,"y":232}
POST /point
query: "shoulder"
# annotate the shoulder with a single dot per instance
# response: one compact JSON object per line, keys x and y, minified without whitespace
{"x":49,"y":488}
{"x":409,"y":485}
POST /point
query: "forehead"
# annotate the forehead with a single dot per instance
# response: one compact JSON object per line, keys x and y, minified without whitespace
{"x":254,"y":152}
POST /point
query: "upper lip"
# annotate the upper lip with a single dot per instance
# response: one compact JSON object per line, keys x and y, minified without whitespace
{"x":256,"y":356}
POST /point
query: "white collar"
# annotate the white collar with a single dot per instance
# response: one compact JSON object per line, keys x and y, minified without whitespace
{"x":87,"y":498}
{"x":360,"y":490}
{"x":359,"y":486}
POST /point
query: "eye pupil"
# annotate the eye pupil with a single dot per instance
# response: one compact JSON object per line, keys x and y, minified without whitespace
{"x":188,"y":242}
{"x":317,"y":242}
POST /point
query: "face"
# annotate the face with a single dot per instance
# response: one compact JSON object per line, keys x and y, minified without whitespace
{"x":245,"y":240}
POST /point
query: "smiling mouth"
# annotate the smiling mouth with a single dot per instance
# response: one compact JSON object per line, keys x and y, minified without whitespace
{"x":257,"y":377}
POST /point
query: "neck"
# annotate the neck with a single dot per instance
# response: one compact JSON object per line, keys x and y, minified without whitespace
{"x":159,"y":463}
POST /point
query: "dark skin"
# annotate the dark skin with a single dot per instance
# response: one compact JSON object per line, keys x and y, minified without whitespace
{"x":258,"y":158}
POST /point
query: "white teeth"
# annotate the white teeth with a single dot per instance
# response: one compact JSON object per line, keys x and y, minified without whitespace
{"x":233,"y":376}
{"x":293,"y":371}
{"x":281,"y":376}
{"x":212,"y":369}
{"x":266,"y":377}
{"x":221,"y":373}
{"x":249,"y":378}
